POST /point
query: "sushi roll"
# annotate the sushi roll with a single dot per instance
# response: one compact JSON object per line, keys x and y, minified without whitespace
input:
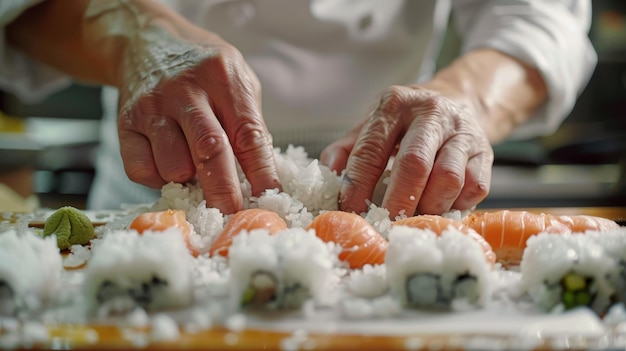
{"x":563,"y":271}
{"x":508,"y":231}
{"x":30,"y":271}
{"x":282,"y":270}
{"x":150,"y":270}
{"x":436,"y":271}
{"x":614,"y":244}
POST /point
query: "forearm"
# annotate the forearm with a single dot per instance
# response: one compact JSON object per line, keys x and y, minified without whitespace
{"x":501,"y":91}
{"x":85,"y":39}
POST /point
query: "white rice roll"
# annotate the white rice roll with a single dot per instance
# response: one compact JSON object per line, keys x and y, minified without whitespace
{"x":30,"y":269}
{"x":549,"y":258}
{"x":410,"y":251}
{"x":307,"y":264}
{"x":614,"y":244}
{"x":253,"y":260}
{"x":428,"y":270}
{"x":151,"y":270}
{"x":282,"y":270}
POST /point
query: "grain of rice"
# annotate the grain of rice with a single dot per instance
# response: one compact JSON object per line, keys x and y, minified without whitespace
{"x":164,"y":328}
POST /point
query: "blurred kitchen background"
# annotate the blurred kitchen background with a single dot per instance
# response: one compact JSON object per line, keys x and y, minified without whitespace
{"x":49,"y":149}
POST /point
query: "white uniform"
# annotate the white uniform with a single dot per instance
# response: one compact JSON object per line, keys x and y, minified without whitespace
{"x":321,"y":63}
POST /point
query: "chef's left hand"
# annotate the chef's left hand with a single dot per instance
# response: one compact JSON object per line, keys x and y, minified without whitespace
{"x":443,"y":158}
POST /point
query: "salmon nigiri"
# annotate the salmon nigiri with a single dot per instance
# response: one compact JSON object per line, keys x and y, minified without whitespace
{"x":361,"y":243}
{"x":583,"y":223}
{"x":249,"y":219}
{"x":507,"y":231}
{"x":162,"y":220}
{"x":438,"y":224}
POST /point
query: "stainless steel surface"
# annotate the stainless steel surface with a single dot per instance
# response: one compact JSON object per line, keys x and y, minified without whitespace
{"x":556,"y":185}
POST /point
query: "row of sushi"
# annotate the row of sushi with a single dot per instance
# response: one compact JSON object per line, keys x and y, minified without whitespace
{"x":154,"y":270}
{"x":430,"y":262}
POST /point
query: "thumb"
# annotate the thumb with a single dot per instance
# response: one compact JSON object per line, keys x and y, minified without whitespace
{"x":335,"y":155}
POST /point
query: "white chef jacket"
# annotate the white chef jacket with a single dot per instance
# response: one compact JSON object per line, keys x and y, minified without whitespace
{"x":321,"y":63}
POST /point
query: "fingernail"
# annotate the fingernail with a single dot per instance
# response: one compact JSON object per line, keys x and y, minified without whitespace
{"x":346,"y":184}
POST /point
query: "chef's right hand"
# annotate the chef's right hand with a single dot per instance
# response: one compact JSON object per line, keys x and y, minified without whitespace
{"x":189,"y":108}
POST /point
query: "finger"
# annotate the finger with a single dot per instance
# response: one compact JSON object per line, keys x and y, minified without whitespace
{"x":335,"y":156}
{"x":139,"y":164}
{"x":477,"y":181}
{"x":413,"y":164}
{"x":371,"y":152}
{"x":212,"y":155}
{"x":170,"y":151}
{"x":237,"y":107}
{"x":447,"y":177}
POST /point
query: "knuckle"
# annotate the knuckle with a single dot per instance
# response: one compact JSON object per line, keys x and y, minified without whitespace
{"x":249,"y":136}
{"x":431,"y":105}
{"x":481,"y":190}
{"x":223,"y":64}
{"x":254,"y":82}
{"x":392,"y":100}
{"x":211,"y":144}
{"x":416,"y":161}
{"x":160,"y":127}
{"x":476,"y":192}
{"x":368,"y":153}
{"x":451,"y":176}
{"x":223,"y":192}
{"x":177,"y":172}
{"x":140,"y":114}
{"x":179,"y":176}
{"x":125,"y":120}
{"x":140,"y":174}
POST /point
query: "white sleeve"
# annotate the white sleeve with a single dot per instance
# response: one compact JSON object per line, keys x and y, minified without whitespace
{"x":550,"y":35}
{"x":20,"y":75}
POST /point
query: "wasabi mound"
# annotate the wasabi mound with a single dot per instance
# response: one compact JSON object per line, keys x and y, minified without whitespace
{"x":71,"y":227}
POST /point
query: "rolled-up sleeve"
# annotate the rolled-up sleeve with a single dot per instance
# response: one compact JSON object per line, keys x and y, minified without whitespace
{"x":551,"y":36}
{"x":27,"y":79}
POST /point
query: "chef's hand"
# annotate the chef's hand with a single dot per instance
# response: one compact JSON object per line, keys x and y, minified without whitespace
{"x":189,"y":103}
{"x":443,"y":158}
{"x":189,"y":108}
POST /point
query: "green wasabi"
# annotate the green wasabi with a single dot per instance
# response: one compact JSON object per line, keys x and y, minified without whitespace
{"x":71,"y":227}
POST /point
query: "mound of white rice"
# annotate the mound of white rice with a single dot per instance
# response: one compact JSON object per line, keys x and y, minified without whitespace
{"x":31,"y":266}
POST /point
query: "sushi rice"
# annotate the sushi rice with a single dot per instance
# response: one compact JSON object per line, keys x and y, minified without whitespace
{"x":282,"y":270}
{"x":427,"y":270}
{"x":614,"y":245}
{"x":30,"y":271}
{"x":151,"y":270}
{"x":562,"y":271}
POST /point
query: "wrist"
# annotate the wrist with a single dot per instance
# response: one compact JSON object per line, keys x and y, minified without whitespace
{"x":458,"y":88}
{"x":501,"y":91}
{"x":121,"y":33}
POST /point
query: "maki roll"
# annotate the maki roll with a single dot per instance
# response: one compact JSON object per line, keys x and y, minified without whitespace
{"x":508,"y":231}
{"x":430,"y":270}
{"x":281,"y":270}
{"x":30,"y":269}
{"x":563,"y":271}
{"x":151,"y":270}
{"x":614,"y":244}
